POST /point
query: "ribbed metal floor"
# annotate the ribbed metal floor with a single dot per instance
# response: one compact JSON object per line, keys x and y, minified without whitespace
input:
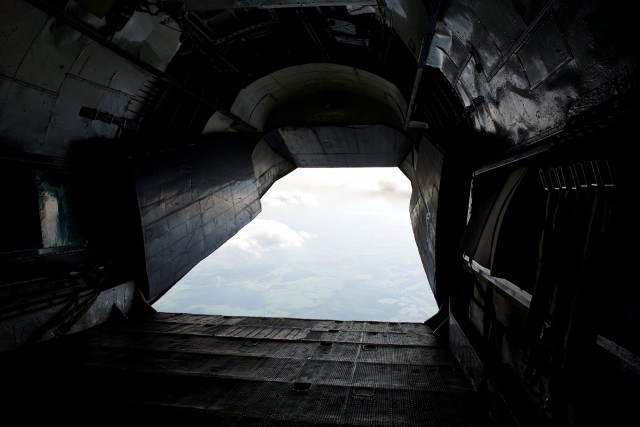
{"x":179,"y":369}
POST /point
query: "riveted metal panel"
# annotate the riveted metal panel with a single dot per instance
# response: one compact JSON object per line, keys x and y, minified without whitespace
{"x":164,"y":375}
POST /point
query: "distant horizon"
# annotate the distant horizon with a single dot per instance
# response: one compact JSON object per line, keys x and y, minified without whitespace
{"x":329,"y":244}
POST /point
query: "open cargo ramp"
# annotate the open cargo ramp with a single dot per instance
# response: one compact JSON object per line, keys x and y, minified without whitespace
{"x":186,"y":369}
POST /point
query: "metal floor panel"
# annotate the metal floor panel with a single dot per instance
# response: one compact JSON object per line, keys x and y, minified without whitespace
{"x":215,"y":370}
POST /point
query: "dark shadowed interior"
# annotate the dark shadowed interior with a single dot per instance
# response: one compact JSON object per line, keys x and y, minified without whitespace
{"x":136,"y":137}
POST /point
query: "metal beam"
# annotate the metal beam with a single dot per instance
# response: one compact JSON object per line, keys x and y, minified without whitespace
{"x":626,"y":356}
{"x":514,"y":291}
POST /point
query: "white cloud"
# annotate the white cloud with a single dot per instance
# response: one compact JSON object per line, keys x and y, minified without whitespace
{"x":339,"y":184}
{"x":262,"y":234}
{"x":413,"y":312}
{"x":393,"y":187}
{"x":279,"y":198}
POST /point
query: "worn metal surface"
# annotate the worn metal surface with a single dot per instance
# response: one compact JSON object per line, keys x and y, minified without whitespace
{"x":527,"y":60}
{"x":502,"y":78}
{"x":424,"y":207}
{"x":322,"y":87}
{"x":58,"y":308}
{"x":48,"y":72}
{"x":340,"y":146}
{"x":191,"y":202}
{"x":268,"y":166}
{"x":171,"y":369}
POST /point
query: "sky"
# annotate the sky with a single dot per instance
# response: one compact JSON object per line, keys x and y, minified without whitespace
{"x":328,"y":244}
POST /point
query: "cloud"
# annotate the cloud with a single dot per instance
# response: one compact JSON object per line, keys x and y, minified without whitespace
{"x":342,"y":183}
{"x":263,"y":234}
{"x":393,"y":189}
{"x":287,"y":198}
{"x":389,"y":186}
{"x":413,"y":312}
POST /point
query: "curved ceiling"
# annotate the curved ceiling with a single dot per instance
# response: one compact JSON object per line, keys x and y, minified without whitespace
{"x":330,"y":85}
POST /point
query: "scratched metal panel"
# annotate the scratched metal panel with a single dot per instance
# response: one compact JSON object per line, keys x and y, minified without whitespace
{"x":75,"y":94}
{"x":314,"y":335}
{"x":320,"y":404}
{"x":186,"y":318}
{"x":269,"y":166}
{"x":464,"y":353}
{"x":144,"y":361}
{"x":44,"y":121}
{"x":105,"y":339}
{"x":329,"y":372}
{"x":99,"y":66}
{"x":25,"y":122}
{"x":173,"y":328}
{"x":264,"y":321}
{"x":341,"y":146}
{"x":53,"y":51}
{"x":256,"y":332}
{"x":380,"y":375}
{"x":306,"y":324}
{"x":409,"y":377}
{"x":344,"y":325}
{"x":471,"y":83}
{"x":196,"y":344}
{"x":166,"y":377}
{"x":418,"y":329}
{"x":251,"y":368}
{"x":200,"y":329}
{"x":190,"y":363}
{"x":247,"y":402}
{"x":428,"y":170}
{"x":544,"y":52}
{"x":465,"y":25}
{"x":388,"y":338}
{"x":406,"y":407}
{"x":382,"y":327}
{"x":52,"y":78}
{"x":299,"y":350}
{"x":447,"y":52}
{"x":191,"y":202}
{"x":529,"y":10}
{"x":193,"y":318}
{"x":339,"y":352}
{"x":501,"y":20}
{"x":424,"y":205}
{"x":344,"y":336}
{"x":370,"y":406}
{"x":286,"y":333}
{"x":20,"y":24}
{"x":407,"y":355}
